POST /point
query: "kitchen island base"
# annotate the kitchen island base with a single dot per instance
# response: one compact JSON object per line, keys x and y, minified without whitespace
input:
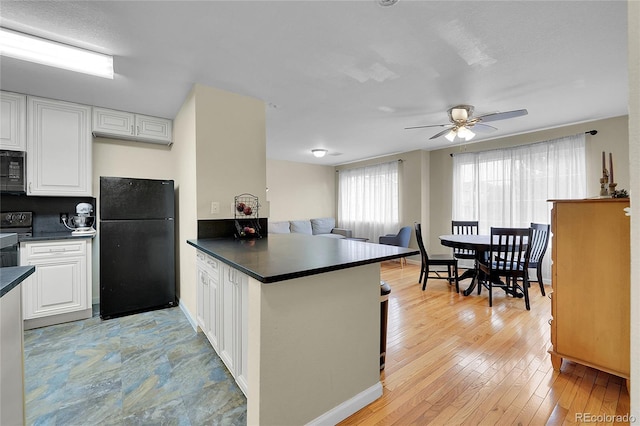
{"x":302,"y":315}
{"x":313,"y":347}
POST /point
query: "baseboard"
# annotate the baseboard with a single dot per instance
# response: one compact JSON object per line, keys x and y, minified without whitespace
{"x":348,"y":407}
{"x":187,"y":314}
{"x":57,"y":319}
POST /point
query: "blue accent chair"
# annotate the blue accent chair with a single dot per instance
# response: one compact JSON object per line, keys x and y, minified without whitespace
{"x":401,"y":239}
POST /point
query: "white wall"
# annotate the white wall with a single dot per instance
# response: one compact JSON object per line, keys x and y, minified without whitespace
{"x":112,"y":157}
{"x":634,"y":178}
{"x":184,"y":133}
{"x":300,"y":190}
{"x":230,"y":150}
{"x":219,"y":152}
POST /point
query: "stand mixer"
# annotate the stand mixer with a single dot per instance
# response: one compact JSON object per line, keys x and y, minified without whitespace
{"x":82,"y":222}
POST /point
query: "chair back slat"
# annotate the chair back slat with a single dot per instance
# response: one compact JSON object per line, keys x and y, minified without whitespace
{"x":423,"y":251}
{"x":539,"y":241}
{"x":464,"y":227}
{"x":510,"y":251}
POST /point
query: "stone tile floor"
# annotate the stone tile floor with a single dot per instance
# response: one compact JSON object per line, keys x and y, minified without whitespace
{"x":144,"y":369}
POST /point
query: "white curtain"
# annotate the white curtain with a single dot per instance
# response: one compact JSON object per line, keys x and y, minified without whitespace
{"x":510,"y":187}
{"x":368,"y":200}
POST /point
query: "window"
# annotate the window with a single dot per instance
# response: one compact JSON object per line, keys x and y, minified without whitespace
{"x":510,"y":187}
{"x":368,"y":201}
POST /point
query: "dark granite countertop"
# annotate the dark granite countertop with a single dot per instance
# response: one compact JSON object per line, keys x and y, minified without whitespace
{"x":45,"y":236}
{"x":11,"y":276}
{"x":280,"y":257}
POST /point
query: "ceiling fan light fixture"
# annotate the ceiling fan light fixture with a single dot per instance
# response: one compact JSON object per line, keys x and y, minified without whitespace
{"x":459,"y":114}
{"x":465,"y":133}
{"x":319,"y":153}
{"x":451,"y":135}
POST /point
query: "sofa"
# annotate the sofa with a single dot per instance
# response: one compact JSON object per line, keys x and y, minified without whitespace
{"x":324,"y":226}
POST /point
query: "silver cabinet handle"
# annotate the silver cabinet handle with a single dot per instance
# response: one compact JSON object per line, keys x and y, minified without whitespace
{"x":137,"y":130}
{"x":29,"y":187}
{"x":132,"y":129}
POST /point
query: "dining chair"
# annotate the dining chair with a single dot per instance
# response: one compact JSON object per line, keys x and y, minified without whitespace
{"x":508,"y":258}
{"x":401,"y":239}
{"x":464,"y":227}
{"x":435,"y":260}
{"x":539,"y":243}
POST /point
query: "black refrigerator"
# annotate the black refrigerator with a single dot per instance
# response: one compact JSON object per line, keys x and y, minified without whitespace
{"x":137,"y":245}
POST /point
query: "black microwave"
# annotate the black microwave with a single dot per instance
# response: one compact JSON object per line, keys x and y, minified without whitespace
{"x":13,"y":176}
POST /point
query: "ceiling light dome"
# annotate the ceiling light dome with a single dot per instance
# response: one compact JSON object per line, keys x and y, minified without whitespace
{"x":319,"y":153}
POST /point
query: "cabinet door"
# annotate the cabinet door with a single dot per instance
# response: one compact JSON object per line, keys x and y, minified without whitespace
{"x":213,"y":332}
{"x":242,"y":312}
{"x":153,"y":128}
{"x":109,"y":122}
{"x":203,"y":299}
{"x":58,"y":148}
{"x":228,"y":352}
{"x":13,"y":127}
{"x":60,"y":283}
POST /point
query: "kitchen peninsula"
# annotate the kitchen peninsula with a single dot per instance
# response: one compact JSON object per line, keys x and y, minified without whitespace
{"x":11,"y":338}
{"x":307,"y":329}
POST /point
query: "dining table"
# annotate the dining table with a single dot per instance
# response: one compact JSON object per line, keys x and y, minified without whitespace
{"x":481,"y":244}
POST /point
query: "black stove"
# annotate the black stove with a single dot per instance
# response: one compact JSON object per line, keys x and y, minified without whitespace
{"x":20,"y":223}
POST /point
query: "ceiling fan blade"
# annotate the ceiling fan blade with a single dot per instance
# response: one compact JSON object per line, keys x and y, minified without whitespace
{"x":502,"y":115}
{"x":483,"y":128}
{"x":422,"y":127}
{"x":437,"y":135}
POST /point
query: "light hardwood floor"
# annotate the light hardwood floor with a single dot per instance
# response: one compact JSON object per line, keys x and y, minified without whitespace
{"x":452,"y":359}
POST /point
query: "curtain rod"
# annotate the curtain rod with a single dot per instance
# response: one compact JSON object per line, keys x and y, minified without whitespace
{"x":588,"y":132}
{"x":399,"y":160}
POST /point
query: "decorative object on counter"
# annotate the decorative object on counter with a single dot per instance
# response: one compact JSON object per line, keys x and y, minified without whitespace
{"x":246,"y":216}
{"x":82,"y":222}
{"x":607,"y":182}
{"x":612,"y":182}
{"x":604,"y":180}
{"x":620,"y":194}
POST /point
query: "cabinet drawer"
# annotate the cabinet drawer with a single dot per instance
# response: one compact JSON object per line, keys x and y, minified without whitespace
{"x":209,"y":263}
{"x":49,"y":249}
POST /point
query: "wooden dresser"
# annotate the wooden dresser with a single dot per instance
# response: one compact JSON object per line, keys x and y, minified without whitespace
{"x":590,"y":280}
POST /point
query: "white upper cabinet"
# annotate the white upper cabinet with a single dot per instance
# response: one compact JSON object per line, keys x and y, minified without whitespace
{"x":58,"y":148}
{"x":125,"y":125}
{"x":13,"y":127}
{"x":112,"y":123}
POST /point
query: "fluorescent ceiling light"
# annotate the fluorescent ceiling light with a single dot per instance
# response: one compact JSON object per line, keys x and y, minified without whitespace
{"x":319,"y":153}
{"x":46,"y":52}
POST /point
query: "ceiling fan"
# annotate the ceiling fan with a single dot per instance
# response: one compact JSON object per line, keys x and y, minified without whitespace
{"x":462,"y":121}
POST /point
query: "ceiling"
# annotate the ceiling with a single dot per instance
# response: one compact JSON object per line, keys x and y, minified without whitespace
{"x":347,"y":76}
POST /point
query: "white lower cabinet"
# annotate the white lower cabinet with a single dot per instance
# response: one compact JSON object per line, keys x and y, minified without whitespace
{"x":60,"y":289}
{"x":222,"y":311}
{"x":208,"y":290}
